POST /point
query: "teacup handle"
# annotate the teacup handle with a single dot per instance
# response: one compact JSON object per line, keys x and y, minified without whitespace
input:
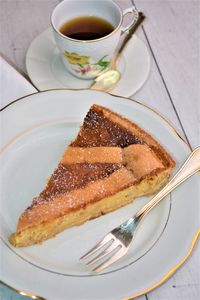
{"x":135,"y":13}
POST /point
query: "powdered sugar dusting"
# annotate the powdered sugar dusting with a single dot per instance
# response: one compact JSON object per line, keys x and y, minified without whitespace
{"x":67,"y":178}
{"x":98,"y":131}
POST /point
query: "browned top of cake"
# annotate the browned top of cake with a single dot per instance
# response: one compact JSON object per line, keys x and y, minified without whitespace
{"x":67,"y":178}
{"x":98,"y":130}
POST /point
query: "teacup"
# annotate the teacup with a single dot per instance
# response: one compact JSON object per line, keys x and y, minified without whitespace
{"x":87,"y":59}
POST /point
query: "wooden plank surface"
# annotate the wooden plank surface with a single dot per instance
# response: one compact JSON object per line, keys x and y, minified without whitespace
{"x":171,"y":35}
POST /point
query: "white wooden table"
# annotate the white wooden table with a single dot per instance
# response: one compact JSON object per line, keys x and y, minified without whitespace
{"x":171,"y":33}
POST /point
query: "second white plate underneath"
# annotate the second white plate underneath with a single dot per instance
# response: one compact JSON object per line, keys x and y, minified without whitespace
{"x":46,"y":70}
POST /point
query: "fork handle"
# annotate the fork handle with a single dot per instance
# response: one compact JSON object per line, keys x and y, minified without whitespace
{"x":191,"y":166}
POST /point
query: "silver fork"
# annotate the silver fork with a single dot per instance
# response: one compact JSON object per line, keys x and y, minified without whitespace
{"x":117,"y":242}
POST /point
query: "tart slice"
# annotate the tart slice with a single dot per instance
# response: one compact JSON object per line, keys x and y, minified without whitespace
{"x":111,"y":161}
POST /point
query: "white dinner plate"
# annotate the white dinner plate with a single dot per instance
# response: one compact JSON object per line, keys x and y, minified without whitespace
{"x":36,"y":130}
{"x":46,"y":70}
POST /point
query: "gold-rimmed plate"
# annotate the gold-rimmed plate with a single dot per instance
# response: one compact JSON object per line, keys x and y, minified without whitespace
{"x":36,"y":130}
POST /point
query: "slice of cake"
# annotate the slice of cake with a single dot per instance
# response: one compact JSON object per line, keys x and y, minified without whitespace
{"x":111,"y":161}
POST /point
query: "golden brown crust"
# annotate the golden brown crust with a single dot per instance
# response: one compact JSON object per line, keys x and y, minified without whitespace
{"x":78,"y":155}
{"x":141,"y":160}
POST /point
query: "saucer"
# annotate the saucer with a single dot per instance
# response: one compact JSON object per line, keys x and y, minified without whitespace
{"x":46,"y":70}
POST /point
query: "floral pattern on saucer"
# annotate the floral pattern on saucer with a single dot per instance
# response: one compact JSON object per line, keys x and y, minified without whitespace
{"x":82,"y":65}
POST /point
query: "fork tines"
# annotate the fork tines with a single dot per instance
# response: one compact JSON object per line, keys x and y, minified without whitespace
{"x":111,"y":248}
